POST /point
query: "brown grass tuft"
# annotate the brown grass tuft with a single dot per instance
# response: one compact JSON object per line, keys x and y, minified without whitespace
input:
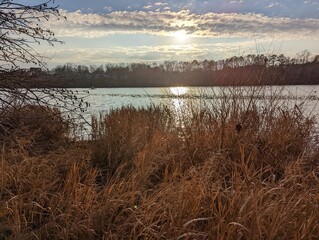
{"x":33,"y":128}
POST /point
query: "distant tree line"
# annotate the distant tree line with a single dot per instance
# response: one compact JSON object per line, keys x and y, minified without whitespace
{"x":243,"y":70}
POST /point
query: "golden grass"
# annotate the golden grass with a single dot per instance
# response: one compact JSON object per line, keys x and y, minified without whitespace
{"x":34,"y":128}
{"x":143,"y":177}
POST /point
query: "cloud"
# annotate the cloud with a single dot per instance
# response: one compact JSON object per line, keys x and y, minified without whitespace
{"x":273,"y":5}
{"x":211,"y":25}
{"x":222,"y":49}
{"x":148,"y":7}
{"x":285,"y":8}
{"x":160,"y":53}
{"x":127,"y":54}
{"x":144,"y":53}
{"x":108,"y":8}
{"x":160,"y":3}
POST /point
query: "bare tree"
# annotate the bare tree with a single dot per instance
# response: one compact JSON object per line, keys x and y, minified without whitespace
{"x":303,"y":56}
{"x":22,"y":28}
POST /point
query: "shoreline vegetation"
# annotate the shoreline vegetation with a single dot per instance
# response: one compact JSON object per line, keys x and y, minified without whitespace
{"x":232,"y":169}
{"x":235,"y":71}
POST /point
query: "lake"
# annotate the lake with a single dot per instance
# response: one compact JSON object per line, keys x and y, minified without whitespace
{"x":105,"y":99}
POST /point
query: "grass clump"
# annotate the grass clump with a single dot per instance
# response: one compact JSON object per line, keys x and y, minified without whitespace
{"x":33,"y":128}
{"x":121,"y":135}
{"x":146,"y":176}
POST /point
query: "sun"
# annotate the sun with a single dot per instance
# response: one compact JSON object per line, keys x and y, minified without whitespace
{"x":180,"y":35}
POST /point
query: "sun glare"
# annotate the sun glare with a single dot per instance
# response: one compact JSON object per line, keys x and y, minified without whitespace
{"x":180,"y":35}
{"x":177,"y":91}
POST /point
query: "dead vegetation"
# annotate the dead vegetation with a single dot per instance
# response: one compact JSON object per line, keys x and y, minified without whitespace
{"x":144,"y":177}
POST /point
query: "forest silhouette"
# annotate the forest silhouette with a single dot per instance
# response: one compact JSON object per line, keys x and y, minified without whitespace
{"x":235,"y":71}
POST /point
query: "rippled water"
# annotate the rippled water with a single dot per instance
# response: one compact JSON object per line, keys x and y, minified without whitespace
{"x":105,"y":99}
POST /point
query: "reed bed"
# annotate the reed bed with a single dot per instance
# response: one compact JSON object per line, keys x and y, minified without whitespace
{"x":234,"y":169}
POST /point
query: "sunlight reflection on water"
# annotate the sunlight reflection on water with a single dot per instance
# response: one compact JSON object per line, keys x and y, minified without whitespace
{"x":179,"y":104}
{"x":178,"y":91}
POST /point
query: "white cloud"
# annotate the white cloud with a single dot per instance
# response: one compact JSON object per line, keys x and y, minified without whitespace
{"x":158,"y":53}
{"x":160,"y":3}
{"x":186,"y":52}
{"x":108,"y":8}
{"x":92,"y":25}
{"x":273,"y":5}
{"x":148,"y":7}
{"x":145,"y":53}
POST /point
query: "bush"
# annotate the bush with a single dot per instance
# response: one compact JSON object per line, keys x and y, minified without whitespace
{"x":33,"y":128}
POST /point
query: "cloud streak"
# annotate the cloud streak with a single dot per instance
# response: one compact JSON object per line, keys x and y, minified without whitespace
{"x":133,"y":54}
{"x":92,"y":25}
{"x":145,"y":53}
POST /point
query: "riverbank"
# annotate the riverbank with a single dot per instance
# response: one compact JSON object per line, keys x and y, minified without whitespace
{"x":231,"y":171}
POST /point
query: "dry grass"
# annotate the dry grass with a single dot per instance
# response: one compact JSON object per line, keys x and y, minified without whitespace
{"x":33,"y":128}
{"x":143,"y":177}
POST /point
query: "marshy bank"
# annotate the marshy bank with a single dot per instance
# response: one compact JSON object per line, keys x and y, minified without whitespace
{"x":232,"y":170}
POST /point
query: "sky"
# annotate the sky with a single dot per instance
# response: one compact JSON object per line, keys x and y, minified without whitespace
{"x":123,"y":31}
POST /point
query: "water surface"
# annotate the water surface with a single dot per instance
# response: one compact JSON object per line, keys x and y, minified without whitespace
{"x":105,"y":99}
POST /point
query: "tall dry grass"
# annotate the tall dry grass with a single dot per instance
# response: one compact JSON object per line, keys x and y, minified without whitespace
{"x":34,"y":128}
{"x":144,"y":177}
